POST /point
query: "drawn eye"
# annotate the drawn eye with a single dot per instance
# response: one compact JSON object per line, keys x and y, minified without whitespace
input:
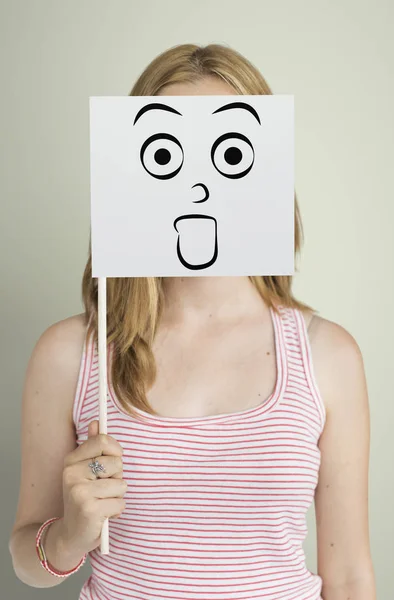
{"x":162,"y":156}
{"x":232,"y":155}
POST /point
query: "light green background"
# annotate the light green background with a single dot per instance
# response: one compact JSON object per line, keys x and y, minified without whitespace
{"x":336,"y":57}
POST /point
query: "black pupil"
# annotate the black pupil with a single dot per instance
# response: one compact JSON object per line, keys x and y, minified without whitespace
{"x":233,"y":156}
{"x":162,"y":156}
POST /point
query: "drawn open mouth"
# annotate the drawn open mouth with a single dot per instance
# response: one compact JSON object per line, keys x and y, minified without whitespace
{"x":198,"y":248}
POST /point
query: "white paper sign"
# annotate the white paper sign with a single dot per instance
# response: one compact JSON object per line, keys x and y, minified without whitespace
{"x":192,"y":185}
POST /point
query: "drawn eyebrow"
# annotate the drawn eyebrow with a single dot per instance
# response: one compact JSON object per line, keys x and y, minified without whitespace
{"x":239,"y":105}
{"x":153,"y":106}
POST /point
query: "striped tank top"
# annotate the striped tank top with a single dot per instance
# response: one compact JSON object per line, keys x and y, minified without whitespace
{"x":215,"y":506}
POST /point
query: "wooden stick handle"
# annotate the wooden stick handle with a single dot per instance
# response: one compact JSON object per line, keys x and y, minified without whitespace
{"x":102,"y":359}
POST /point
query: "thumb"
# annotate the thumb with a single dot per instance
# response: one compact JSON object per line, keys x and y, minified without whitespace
{"x":93,"y":428}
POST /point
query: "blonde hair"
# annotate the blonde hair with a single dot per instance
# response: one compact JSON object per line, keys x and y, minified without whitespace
{"x":134,"y":304}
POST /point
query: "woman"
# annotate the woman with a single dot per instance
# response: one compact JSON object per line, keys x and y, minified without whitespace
{"x":257,"y":407}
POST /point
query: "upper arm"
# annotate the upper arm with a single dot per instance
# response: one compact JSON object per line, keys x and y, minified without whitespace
{"x":47,"y":428}
{"x":341,"y":499}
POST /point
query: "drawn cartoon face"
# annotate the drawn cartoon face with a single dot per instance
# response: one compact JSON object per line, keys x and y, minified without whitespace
{"x":162,"y":156}
{"x":192,"y":185}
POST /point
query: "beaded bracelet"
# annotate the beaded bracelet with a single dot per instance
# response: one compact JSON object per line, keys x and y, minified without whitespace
{"x":42,"y":556}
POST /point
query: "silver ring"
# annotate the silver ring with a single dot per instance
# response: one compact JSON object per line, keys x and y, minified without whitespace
{"x":96,"y":467}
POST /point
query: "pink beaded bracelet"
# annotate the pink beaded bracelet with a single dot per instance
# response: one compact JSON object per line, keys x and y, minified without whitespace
{"x":42,"y":556}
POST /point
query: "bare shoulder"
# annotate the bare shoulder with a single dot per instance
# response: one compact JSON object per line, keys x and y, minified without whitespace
{"x":57,"y":354}
{"x":62,"y":342}
{"x":336,"y":357}
{"x":329,"y":337}
{"x":62,"y":332}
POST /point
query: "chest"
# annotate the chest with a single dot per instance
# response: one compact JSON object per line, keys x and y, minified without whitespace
{"x":215,"y":371}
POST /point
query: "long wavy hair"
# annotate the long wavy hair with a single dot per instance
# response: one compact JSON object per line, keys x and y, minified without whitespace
{"x":134,"y":304}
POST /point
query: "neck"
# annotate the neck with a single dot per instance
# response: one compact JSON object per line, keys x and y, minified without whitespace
{"x":193,"y":299}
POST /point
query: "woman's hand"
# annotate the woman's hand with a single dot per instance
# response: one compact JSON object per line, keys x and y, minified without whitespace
{"x":89,"y":500}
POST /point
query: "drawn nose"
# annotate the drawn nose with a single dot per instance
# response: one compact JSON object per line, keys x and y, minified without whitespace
{"x":206,"y":192}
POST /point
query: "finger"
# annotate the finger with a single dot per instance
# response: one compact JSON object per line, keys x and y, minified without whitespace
{"x":111,"y":507}
{"x":108,"y":488}
{"x":93,"y":428}
{"x":94,"y":447}
{"x":113,"y":467}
